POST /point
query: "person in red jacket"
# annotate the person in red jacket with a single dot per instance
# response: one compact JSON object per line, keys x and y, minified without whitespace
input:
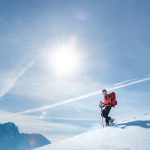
{"x":107,"y":107}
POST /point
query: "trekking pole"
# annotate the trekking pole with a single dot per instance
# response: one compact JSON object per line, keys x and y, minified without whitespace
{"x":102,"y":123}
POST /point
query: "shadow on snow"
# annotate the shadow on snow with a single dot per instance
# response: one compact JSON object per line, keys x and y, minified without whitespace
{"x":139,"y":123}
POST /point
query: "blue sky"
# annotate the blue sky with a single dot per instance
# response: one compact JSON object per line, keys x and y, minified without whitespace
{"x":111,"y":38}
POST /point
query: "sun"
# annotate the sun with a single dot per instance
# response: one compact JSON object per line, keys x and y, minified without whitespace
{"x":65,"y":60}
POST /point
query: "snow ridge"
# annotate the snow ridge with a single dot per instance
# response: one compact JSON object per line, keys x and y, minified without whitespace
{"x":128,"y":135}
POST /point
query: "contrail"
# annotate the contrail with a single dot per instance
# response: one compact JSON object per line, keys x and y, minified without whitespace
{"x":84,"y":96}
{"x":124,"y":82}
{"x":12,"y":83}
{"x":130,"y":83}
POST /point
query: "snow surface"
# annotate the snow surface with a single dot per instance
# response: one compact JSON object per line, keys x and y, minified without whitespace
{"x":133,"y":134}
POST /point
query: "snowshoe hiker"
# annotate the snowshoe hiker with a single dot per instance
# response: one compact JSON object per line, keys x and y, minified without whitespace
{"x":107,"y":104}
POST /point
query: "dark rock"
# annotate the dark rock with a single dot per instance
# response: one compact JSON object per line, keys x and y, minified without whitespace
{"x":11,"y":139}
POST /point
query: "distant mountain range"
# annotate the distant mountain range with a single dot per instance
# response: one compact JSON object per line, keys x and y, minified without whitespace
{"x":11,"y":139}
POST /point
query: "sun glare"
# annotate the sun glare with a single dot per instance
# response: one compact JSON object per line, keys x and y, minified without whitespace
{"x":65,"y":60}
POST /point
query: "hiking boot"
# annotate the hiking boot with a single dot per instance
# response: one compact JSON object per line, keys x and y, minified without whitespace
{"x":111,"y":120}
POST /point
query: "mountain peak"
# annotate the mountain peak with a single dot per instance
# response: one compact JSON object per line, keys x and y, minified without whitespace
{"x":11,"y":139}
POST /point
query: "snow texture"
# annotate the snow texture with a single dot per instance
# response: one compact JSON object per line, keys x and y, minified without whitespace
{"x":133,"y":134}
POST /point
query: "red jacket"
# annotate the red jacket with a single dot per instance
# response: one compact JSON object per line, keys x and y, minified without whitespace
{"x":107,"y":100}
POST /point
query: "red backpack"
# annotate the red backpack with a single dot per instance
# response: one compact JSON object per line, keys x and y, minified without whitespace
{"x":113,"y":99}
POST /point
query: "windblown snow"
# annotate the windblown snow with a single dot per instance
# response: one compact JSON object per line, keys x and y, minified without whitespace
{"x":133,"y":134}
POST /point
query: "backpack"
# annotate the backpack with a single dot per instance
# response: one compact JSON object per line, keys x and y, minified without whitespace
{"x":113,"y":99}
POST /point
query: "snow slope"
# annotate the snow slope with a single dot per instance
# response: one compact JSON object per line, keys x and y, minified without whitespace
{"x":133,"y":134}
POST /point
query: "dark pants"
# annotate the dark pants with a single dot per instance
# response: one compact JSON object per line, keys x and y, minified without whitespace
{"x":105,"y":114}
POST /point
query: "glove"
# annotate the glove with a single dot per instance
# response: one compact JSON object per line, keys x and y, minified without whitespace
{"x":101,"y":106}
